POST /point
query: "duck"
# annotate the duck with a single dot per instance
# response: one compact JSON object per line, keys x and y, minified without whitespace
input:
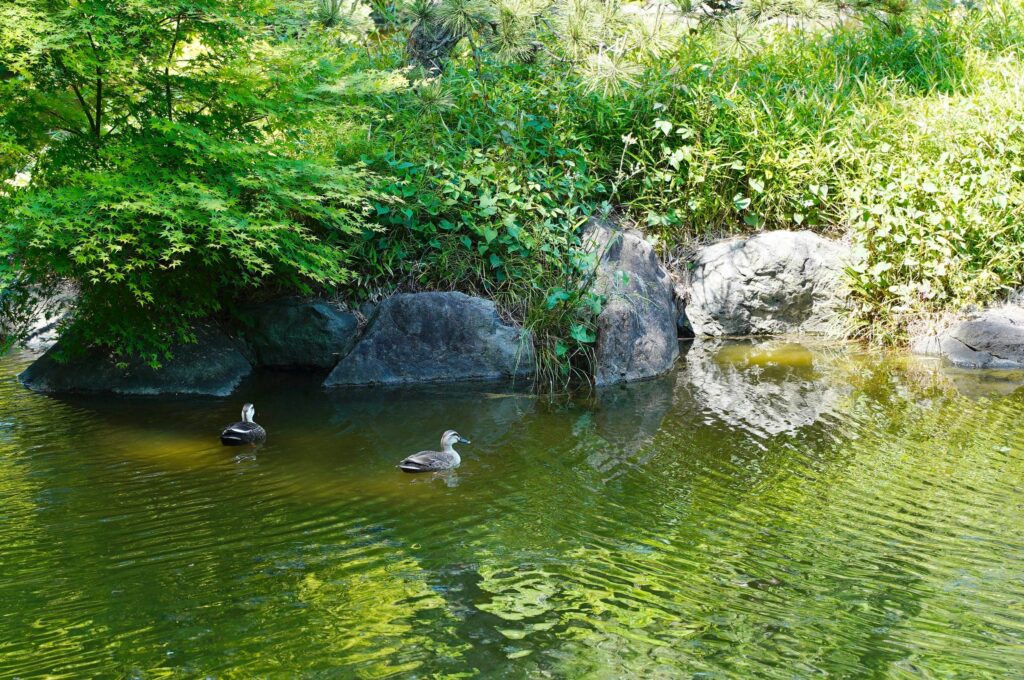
{"x":432,"y":461}
{"x":245,"y":431}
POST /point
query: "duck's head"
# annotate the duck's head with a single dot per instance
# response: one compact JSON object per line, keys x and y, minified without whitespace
{"x":451,"y":438}
{"x":248,"y":413}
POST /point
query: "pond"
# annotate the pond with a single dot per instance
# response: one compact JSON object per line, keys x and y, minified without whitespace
{"x":770,"y":510}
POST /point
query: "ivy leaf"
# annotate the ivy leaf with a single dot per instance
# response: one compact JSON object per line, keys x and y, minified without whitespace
{"x":581,"y":333}
{"x":556,"y":296}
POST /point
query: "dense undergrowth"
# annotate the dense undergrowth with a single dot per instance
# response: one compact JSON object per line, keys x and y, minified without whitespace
{"x":175,"y":158}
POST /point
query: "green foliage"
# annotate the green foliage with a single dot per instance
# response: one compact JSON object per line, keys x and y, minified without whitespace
{"x":170,"y":167}
{"x":905,"y":133}
{"x":490,"y":188}
{"x":936,"y":205}
{"x":175,"y":223}
{"x":173,"y":158}
{"x":761,"y":139}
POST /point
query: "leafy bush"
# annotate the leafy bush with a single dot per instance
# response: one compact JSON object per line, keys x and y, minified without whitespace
{"x":936,"y":206}
{"x":491,"y":182}
{"x":171,"y":169}
{"x":176,"y":224}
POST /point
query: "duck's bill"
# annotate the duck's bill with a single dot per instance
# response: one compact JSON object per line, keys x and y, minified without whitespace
{"x":463,"y":440}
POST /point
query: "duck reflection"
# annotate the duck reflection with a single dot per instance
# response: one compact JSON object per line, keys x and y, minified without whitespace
{"x":764,"y":387}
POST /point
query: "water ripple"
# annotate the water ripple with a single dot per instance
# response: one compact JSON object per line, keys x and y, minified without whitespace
{"x":769,"y":510}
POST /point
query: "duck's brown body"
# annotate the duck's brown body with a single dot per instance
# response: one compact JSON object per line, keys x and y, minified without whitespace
{"x":434,"y":461}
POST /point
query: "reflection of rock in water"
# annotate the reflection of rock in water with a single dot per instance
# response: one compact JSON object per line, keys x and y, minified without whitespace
{"x":627,"y":419}
{"x":976,"y":383}
{"x":412,"y":419}
{"x":763,"y":387}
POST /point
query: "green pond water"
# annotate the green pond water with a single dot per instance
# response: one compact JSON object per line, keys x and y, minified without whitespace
{"x":766,"y":511}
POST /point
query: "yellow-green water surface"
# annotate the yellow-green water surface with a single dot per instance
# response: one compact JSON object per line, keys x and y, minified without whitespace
{"x":770,"y":510}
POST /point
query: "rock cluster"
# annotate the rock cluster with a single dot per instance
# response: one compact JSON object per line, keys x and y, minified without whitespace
{"x":772,"y":283}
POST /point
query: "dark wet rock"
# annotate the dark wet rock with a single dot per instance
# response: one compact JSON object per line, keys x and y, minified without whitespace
{"x":435,"y":337}
{"x":765,"y":387}
{"x":293,"y":333}
{"x":993,"y":338}
{"x":213,"y":366}
{"x":637,"y":335}
{"x":772,"y":283}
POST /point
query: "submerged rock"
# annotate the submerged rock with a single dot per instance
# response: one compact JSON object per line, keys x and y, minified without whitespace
{"x":435,"y":337}
{"x":213,"y":366}
{"x":993,"y":338}
{"x":292,"y":333}
{"x":772,"y":283}
{"x":636,"y":335}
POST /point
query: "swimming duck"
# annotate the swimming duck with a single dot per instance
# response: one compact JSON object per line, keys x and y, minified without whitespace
{"x":244,"y":432}
{"x":430,"y":461}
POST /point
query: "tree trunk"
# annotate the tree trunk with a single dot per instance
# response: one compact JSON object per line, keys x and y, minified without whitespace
{"x":430,"y":44}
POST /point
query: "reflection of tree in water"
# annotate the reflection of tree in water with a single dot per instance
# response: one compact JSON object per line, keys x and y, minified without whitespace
{"x":402,"y":622}
{"x":762,"y":387}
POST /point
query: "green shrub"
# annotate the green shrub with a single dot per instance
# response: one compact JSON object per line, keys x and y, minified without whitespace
{"x":936,"y":205}
{"x":172,"y":166}
{"x":491,"y":183}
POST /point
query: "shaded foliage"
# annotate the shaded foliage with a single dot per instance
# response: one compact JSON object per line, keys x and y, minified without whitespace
{"x":170,"y":167}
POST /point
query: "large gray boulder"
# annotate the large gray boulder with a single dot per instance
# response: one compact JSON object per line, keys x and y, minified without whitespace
{"x":293,"y":333}
{"x":435,"y":337}
{"x":993,"y":338}
{"x":213,"y":366}
{"x":636,"y":334}
{"x":772,"y":283}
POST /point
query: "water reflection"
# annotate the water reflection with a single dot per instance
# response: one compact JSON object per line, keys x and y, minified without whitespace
{"x":626,"y":420}
{"x":978,"y":384}
{"x":769,"y":510}
{"x":763,"y":387}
